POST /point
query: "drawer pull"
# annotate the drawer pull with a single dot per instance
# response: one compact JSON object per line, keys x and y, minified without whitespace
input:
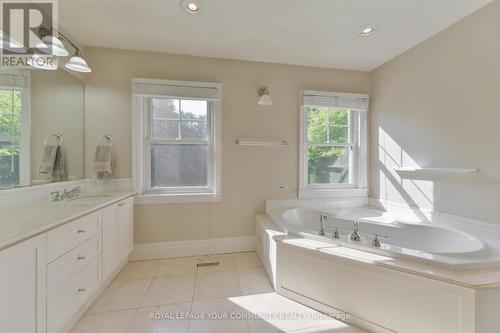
{"x":81,"y":231}
{"x":121,"y":204}
{"x":81,"y":258}
{"x":81,"y":290}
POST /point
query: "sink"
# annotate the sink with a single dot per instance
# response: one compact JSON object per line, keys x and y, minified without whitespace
{"x":86,"y":200}
{"x":91,"y":196}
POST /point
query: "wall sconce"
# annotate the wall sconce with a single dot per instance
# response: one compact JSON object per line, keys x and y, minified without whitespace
{"x":264,"y":99}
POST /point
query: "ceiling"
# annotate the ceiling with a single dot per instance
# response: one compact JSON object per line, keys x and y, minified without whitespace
{"x":321,"y":33}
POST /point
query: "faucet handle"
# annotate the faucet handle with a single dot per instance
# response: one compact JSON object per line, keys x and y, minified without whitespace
{"x":335,"y":234}
{"x":56,"y":195}
{"x":376,"y":241}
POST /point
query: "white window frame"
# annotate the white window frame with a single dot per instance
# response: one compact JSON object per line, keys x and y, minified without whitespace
{"x":358,"y":168}
{"x":141,"y":153}
{"x":24,"y":140}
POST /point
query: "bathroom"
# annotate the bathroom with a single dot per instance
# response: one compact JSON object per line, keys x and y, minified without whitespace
{"x":249,"y":166}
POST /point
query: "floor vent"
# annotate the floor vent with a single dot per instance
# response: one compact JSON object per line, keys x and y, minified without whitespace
{"x":206,"y":264}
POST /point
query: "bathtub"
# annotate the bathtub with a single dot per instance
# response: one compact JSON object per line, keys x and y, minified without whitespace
{"x":383,"y":289}
{"x":414,"y":240}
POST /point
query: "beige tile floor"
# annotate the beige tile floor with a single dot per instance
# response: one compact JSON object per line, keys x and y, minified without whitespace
{"x":183,"y":294}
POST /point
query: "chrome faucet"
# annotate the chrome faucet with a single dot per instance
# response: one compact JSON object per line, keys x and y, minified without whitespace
{"x":56,"y":196}
{"x":355,"y":233}
{"x":322,"y":219}
{"x":73,"y":193}
{"x":376,"y":239}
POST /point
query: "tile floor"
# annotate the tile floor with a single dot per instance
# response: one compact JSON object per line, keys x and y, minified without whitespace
{"x":183,"y":298}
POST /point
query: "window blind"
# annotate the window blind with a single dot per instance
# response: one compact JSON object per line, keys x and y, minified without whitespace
{"x":15,"y":81}
{"x":208,"y":92}
{"x":335,"y":100}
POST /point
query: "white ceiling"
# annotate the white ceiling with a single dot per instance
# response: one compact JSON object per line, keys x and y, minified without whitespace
{"x":322,"y":33}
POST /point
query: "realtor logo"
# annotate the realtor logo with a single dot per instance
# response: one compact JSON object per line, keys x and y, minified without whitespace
{"x":24,"y":26}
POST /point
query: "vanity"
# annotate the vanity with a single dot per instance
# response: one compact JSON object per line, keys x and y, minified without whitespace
{"x":56,"y":258}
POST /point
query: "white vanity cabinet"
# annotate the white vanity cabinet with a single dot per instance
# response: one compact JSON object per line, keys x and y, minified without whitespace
{"x":74,"y":268}
{"x":22,"y":287}
{"x":117,"y":235}
{"x":110,"y":259}
{"x":125,"y":228}
{"x":48,"y":281}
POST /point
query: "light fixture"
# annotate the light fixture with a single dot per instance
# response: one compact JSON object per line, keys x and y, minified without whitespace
{"x":191,"y":6}
{"x":78,"y":64}
{"x":43,"y":62}
{"x":367,"y":31}
{"x":264,"y":99}
{"x":53,"y":44}
{"x":10,"y":44}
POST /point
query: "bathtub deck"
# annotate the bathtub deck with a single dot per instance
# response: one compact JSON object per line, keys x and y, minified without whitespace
{"x":474,"y":279}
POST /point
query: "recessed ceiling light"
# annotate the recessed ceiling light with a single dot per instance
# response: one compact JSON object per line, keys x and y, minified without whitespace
{"x":367,"y":31}
{"x":191,"y":6}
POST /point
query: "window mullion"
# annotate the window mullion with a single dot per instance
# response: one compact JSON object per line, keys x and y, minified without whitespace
{"x":180,"y":120}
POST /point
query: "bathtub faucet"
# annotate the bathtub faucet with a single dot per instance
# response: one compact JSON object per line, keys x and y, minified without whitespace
{"x":355,"y":233}
{"x":322,"y":219}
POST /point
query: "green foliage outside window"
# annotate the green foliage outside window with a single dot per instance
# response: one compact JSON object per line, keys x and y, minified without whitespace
{"x":10,"y":128}
{"x":328,"y":164}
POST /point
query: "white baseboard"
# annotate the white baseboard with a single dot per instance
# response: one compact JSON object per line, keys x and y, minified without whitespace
{"x":149,"y":251}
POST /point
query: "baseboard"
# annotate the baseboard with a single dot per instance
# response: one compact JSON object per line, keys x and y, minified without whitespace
{"x":174,"y":249}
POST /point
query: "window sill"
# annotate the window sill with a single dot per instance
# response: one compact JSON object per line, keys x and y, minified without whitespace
{"x":333,"y":193}
{"x":159,"y":199}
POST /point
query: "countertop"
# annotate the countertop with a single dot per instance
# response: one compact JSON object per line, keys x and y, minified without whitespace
{"x":19,"y":224}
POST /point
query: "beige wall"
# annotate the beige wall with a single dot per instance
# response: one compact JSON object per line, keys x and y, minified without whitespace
{"x":438,"y":105}
{"x":250,"y":175}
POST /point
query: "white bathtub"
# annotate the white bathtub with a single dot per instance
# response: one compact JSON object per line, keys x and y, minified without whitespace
{"x":412,"y":240}
{"x":379,"y":293}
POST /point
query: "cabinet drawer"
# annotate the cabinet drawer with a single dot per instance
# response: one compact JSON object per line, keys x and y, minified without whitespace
{"x":66,"y":300}
{"x":67,"y":266}
{"x":70,"y":235}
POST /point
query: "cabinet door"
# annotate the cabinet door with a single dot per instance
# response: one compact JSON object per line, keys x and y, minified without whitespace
{"x":110,"y":258}
{"x":125,"y":233}
{"x":22,"y":287}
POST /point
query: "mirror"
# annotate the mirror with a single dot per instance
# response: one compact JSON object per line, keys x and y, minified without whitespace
{"x":41,"y":127}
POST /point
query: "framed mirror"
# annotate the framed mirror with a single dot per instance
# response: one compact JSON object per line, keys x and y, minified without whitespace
{"x":41,"y":127}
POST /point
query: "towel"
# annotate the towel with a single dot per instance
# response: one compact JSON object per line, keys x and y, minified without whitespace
{"x":53,"y":162}
{"x":47,"y":162}
{"x":59,"y":171}
{"x":103,"y":161}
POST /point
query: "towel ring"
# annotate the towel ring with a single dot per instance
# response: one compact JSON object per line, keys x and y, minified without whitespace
{"x":59,"y":138}
{"x":108,"y":138}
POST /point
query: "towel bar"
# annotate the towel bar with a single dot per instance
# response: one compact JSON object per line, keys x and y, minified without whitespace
{"x":262,"y":143}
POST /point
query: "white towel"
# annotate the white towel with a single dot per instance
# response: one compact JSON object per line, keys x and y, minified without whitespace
{"x":103,"y":161}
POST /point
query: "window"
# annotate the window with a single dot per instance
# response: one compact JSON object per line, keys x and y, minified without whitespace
{"x":14,"y":130}
{"x":333,"y":149}
{"x":176,"y":136}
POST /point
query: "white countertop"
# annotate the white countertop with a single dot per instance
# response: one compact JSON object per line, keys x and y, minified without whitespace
{"x":22,"y":223}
